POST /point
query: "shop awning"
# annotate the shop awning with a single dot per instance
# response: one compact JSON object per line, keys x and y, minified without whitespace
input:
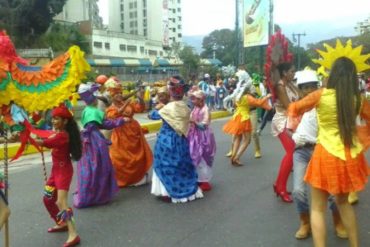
{"x":120,"y":62}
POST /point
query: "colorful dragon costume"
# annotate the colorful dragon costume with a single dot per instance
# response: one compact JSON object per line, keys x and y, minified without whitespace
{"x":35,"y":88}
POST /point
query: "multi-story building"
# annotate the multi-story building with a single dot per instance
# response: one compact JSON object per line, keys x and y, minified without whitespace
{"x":81,"y":10}
{"x":363,"y":26}
{"x":157,"y":20}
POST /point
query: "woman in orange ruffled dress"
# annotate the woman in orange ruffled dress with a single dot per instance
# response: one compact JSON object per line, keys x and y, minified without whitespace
{"x":240,"y":125}
{"x":130,"y":153}
{"x":338,"y":165}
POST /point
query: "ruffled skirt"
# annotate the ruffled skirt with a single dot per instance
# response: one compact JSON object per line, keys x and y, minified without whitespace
{"x":334,"y":175}
{"x":235,"y":126}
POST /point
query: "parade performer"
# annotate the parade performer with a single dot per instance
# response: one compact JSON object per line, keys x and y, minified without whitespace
{"x":305,"y":140}
{"x":66,"y":145}
{"x":162,"y":98}
{"x":96,"y":182}
{"x":130,"y":153}
{"x":202,"y":142}
{"x":174,"y":175}
{"x":338,"y":165}
{"x":240,"y":124}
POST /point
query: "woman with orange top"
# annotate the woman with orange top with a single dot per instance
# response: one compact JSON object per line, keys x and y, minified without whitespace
{"x":240,"y":125}
{"x":338,"y":165}
{"x":130,"y":153}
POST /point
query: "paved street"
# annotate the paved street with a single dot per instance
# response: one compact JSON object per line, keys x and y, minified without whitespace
{"x":241,"y":210}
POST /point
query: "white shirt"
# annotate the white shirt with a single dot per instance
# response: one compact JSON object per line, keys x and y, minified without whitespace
{"x":307,"y":129}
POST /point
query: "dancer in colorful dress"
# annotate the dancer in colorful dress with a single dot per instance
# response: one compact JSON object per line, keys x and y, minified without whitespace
{"x":65,"y":145}
{"x":174,"y":175}
{"x":96,"y":182}
{"x":202,"y":142}
{"x":130,"y":153}
{"x":338,"y":165}
{"x":305,"y":136}
{"x":286,"y":93}
{"x":240,"y":125}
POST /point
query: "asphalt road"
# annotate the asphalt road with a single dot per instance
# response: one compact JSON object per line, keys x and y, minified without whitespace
{"x":241,"y":210}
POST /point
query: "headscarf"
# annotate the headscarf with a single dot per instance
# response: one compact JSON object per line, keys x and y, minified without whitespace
{"x":61,"y":111}
{"x":86,"y":92}
{"x":199,"y":94}
{"x":113,"y":85}
{"x":176,"y":87}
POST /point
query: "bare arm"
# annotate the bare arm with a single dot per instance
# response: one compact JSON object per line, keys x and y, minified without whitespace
{"x":282,"y":95}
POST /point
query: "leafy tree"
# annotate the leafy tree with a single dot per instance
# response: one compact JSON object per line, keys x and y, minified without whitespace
{"x":25,"y":20}
{"x":190,"y":59}
{"x":223,"y":41}
{"x":60,"y":37}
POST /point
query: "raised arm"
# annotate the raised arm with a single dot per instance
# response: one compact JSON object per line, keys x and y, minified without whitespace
{"x":299,"y":107}
{"x":263,"y":103}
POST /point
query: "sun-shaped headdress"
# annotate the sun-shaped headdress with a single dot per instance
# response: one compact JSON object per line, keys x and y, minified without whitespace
{"x":331,"y":54}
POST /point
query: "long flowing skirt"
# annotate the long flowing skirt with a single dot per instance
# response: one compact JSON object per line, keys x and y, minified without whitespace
{"x":96,"y":183}
{"x":174,"y":174}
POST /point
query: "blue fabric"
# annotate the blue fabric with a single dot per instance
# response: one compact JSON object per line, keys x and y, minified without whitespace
{"x":173,"y":164}
{"x":154,"y":115}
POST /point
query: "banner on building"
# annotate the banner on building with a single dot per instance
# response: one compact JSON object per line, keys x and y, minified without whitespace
{"x":166,"y":23}
{"x":256,"y":18}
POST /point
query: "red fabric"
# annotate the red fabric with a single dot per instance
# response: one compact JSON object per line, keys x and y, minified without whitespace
{"x":51,"y":206}
{"x":287,"y":161}
{"x":61,"y":111}
{"x":62,"y":170}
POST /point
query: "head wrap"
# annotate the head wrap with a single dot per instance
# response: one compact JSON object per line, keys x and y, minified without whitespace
{"x":162,"y":90}
{"x":86,"y":92}
{"x":199,"y":94}
{"x":101,"y":79}
{"x":61,"y":111}
{"x":113,"y":85}
{"x":176,"y":87}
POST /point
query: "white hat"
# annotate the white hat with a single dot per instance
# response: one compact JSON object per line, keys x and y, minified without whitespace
{"x":206,"y":76}
{"x":306,"y":76}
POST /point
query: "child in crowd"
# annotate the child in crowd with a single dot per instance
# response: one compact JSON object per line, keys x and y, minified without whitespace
{"x":202,"y":142}
{"x":66,"y":145}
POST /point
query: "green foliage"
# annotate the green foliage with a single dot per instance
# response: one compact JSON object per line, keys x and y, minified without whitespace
{"x":190,"y":59}
{"x":26,"y":20}
{"x":60,"y":37}
{"x":224,"y":43}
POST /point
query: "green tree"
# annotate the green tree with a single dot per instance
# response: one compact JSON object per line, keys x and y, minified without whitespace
{"x":190,"y":59}
{"x":60,"y":37}
{"x":26,"y":20}
{"x":223,"y":42}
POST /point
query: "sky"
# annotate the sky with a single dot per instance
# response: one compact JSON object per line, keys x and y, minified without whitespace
{"x":201,"y":17}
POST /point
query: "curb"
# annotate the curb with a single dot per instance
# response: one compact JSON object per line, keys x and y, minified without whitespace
{"x":152,"y":127}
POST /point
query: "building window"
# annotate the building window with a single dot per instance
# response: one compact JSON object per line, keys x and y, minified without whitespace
{"x":144,"y":3}
{"x":152,"y":53}
{"x":122,"y":16}
{"x":122,"y":47}
{"x":179,"y":35}
{"x":131,"y":5}
{"x":144,"y":12}
{"x":98,"y":44}
{"x":107,"y":46}
{"x":161,"y":53}
{"x":174,"y":11}
{"x":121,"y":7}
{"x":145,"y":23}
{"x":135,"y":4}
{"x":142,"y":49}
{"x":132,"y":48}
{"x":145,"y":32}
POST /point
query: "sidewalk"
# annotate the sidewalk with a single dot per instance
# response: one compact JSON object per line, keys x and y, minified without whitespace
{"x":151,"y":125}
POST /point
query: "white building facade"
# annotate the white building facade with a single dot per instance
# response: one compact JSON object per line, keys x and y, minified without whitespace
{"x":363,"y":26}
{"x":81,"y":10}
{"x":159,"y":20}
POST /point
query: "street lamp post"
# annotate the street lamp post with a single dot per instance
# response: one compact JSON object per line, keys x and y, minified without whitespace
{"x":297,"y":37}
{"x":214,"y":48}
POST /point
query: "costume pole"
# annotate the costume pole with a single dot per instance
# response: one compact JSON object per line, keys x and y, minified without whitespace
{"x":6,"y":224}
{"x":44,"y":166}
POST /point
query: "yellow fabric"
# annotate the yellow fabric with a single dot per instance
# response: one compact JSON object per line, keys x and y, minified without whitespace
{"x":177,"y":115}
{"x":37,"y":101}
{"x":242,"y":109}
{"x":328,"y":134}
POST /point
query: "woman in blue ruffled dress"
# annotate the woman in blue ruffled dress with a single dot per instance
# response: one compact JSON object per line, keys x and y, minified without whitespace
{"x":174,"y":175}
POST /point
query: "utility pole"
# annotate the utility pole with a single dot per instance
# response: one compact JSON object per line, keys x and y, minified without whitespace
{"x":239,"y":33}
{"x":297,"y":37}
